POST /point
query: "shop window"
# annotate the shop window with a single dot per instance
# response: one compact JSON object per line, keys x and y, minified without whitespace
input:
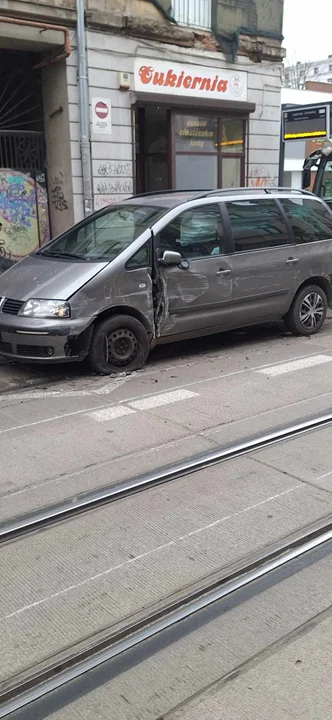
{"x":231,"y":172}
{"x":195,"y":134}
{"x":209,"y":152}
{"x":232,"y":139}
{"x":196,"y":172}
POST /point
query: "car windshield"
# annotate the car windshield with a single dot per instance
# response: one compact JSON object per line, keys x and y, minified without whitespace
{"x":105,"y":236}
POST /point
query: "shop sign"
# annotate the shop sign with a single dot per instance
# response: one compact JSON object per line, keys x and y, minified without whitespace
{"x":167,"y":78}
{"x":101,"y":116}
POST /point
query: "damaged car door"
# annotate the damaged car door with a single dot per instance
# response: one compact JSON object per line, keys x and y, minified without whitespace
{"x":194,"y":282}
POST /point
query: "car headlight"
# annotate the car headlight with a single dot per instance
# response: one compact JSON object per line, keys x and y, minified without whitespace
{"x":46,"y":308}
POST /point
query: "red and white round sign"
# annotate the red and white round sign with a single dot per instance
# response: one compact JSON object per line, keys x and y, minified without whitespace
{"x":101,"y":110}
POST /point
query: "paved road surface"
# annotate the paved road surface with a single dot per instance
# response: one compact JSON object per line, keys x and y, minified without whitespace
{"x":67,"y":432}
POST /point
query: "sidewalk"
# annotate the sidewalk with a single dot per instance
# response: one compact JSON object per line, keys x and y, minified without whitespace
{"x":19,"y":377}
{"x":16,"y":377}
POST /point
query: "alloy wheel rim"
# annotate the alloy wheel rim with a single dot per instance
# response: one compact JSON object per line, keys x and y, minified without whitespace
{"x":311,"y":310}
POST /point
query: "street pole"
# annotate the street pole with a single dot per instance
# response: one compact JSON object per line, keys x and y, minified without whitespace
{"x":84,"y":110}
{"x":281,"y":152}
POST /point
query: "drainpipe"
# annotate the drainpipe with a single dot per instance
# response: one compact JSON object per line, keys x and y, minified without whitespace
{"x":84,"y":110}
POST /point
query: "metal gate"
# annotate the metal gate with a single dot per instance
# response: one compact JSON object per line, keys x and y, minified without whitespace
{"x":24,"y":223}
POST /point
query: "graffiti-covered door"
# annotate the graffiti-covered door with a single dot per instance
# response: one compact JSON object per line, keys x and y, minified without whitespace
{"x":24,"y":217}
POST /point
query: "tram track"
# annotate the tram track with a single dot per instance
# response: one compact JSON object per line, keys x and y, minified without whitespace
{"x":22,"y":525}
{"x":45,"y":679}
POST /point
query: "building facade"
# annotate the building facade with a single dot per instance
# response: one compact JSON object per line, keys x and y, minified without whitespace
{"x":182,"y":97}
{"x":318,"y":71}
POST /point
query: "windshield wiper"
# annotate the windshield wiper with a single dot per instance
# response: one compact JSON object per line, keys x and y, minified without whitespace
{"x":62,"y":254}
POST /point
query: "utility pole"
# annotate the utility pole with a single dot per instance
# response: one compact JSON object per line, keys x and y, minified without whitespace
{"x":84,"y":111}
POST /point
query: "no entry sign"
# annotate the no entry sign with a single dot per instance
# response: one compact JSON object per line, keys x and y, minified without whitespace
{"x":101,"y":110}
{"x":101,"y":116}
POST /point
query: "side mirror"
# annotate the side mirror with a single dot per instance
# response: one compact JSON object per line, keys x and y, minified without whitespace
{"x":171,"y":257}
{"x":306,"y":178}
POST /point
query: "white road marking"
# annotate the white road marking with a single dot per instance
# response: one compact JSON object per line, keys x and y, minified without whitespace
{"x":110,"y":413}
{"x":287,"y":367}
{"x":116,"y":411}
{"x":138,"y":397}
{"x":44,"y":395}
{"x":146,"y":554}
{"x":322,"y":477}
{"x":163,"y":399}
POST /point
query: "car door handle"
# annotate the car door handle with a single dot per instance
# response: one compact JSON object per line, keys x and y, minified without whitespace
{"x":292,"y":261}
{"x":223,"y":272}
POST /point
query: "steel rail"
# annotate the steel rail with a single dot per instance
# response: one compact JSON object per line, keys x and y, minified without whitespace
{"x":22,"y":525}
{"x":57,"y":674}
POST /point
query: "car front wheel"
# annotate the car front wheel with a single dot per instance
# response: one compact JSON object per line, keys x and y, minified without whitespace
{"x":119,"y":343}
{"x":308,"y":311}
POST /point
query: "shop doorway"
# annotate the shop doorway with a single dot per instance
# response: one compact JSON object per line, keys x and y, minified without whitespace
{"x":152,"y":149}
{"x":188,"y":151}
{"x":24,"y":217}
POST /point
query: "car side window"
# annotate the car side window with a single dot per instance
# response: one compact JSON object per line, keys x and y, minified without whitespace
{"x":195,"y":233}
{"x":310,"y":220}
{"x":257,"y":224}
{"x":140,"y":259}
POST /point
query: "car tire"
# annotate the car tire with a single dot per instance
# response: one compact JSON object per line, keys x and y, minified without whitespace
{"x":119,"y":344}
{"x":308,"y":311}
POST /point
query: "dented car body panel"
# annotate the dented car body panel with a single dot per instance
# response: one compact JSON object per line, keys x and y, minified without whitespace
{"x":216,"y":285}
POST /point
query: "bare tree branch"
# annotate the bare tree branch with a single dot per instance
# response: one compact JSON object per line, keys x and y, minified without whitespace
{"x":295,"y":75}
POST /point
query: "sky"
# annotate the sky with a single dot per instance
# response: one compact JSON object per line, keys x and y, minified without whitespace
{"x":307,"y":29}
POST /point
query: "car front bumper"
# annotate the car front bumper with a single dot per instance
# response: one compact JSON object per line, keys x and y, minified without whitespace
{"x":47,"y":341}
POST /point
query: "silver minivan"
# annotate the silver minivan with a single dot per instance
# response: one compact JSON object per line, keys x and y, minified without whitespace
{"x":168,"y":266}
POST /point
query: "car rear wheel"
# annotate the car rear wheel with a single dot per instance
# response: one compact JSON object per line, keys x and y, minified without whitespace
{"x":119,"y":343}
{"x":308,"y":311}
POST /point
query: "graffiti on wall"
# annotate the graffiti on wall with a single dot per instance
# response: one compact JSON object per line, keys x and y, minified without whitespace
{"x":59,"y":201}
{"x":115,"y":169}
{"x":116,"y":187}
{"x":24,"y":221}
{"x":260,"y":177}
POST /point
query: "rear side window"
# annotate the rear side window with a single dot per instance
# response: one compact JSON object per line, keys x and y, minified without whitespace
{"x":257,"y":224}
{"x":310,"y":220}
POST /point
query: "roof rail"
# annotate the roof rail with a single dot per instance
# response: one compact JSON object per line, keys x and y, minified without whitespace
{"x":198,"y":194}
{"x":273,"y":188}
{"x":266,"y":190}
{"x":168,"y":192}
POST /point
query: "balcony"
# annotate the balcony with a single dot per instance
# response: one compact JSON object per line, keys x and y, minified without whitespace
{"x":192,"y":13}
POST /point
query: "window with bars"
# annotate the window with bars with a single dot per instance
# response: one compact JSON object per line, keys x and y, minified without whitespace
{"x":193,"y":13}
